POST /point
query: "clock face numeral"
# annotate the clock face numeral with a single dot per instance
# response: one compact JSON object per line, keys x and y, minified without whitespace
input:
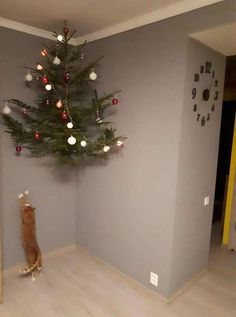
{"x":194,"y":93}
{"x":203,"y":121}
{"x":216,"y":95}
{"x":205,"y":93}
{"x":196,"y":77}
{"x":208,"y":67}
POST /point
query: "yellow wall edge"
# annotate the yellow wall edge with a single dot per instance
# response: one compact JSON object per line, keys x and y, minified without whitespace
{"x":230,"y":190}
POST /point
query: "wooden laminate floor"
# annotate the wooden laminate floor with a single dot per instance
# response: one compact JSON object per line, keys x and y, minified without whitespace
{"x":74,"y":284}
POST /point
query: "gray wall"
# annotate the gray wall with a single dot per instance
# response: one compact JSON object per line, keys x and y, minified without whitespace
{"x":197,"y":165}
{"x":53,"y":191}
{"x":132,"y":220}
{"x":127,"y":208}
{"x":133,"y":195}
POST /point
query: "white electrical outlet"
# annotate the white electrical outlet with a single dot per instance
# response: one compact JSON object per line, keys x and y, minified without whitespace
{"x":154,"y":279}
{"x":206,"y":201}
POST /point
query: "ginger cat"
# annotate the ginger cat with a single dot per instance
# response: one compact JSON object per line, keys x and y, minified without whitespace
{"x":29,"y":240}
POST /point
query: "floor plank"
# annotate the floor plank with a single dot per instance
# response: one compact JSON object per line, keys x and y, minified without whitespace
{"x":77,"y":284}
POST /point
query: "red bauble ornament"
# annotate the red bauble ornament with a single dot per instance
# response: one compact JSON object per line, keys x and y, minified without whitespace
{"x":66,"y":30}
{"x":115,"y":101}
{"x":37,"y":136}
{"x":64,"y":115}
{"x":44,"y":79}
{"x":66,"y":78}
{"x":18,"y":148}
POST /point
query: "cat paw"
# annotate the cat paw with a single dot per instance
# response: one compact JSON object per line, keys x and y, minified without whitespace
{"x":20,"y":196}
{"x":26,"y":192}
{"x":24,"y":271}
{"x":33,"y":278}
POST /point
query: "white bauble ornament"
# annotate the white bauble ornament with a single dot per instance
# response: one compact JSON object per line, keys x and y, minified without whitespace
{"x":69,"y":125}
{"x":48,"y":87}
{"x":106,"y":148}
{"x":6,"y":110}
{"x":119,"y":143}
{"x":83,"y":143}
{"x":39,"y":67}
{"x":71,"y":140}
{"x":28,"y":77}
{"x":93,"y":76}
{"x":60,"y":38}
{"x":56,"y":61}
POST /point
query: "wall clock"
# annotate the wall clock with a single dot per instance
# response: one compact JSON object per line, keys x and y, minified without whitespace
{"x":205,"y":93}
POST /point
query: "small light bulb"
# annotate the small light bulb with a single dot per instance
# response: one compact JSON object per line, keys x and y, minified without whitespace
{"x":48,"y":87}
{"x":59,"y":104}
{"x":44,"y":52}
{"x":39,"y":67}
{"x":60,"y":38}
{"x":6,"y":109}
{"x":93,"y":75}
{"x":28,"y":77}
{"x":71,"y":140}
{"x":83,"y":143}
{"x":106,"y":148}
{"x":69,"y":125}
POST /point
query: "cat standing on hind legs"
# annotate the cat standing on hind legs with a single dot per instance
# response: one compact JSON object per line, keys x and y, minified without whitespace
{"x":28,"y":235}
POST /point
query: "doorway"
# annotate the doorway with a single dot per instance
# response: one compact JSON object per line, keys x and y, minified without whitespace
{"x":225,"y":149}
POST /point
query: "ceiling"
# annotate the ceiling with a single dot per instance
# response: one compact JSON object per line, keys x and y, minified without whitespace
{"x":221,"y":39}
{"x":94,"y":18}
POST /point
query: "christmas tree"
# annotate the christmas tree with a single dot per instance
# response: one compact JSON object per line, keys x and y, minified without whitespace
{"x":67,"y":120}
